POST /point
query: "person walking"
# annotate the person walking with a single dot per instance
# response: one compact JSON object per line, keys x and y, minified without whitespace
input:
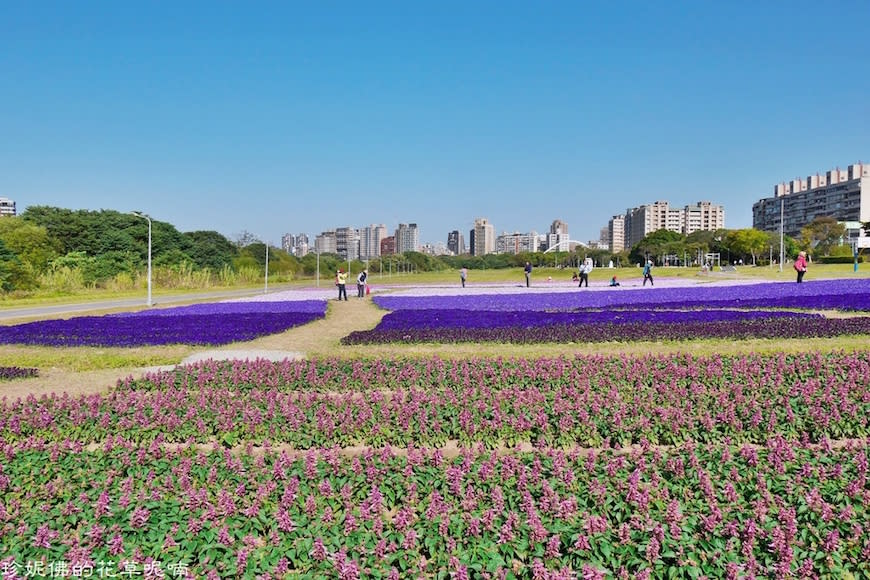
{"x":361,"y":283}
{"x":463,"y":275}
{"x":341,"y":281}
{"x":647,"y":273}
{"x":800,"y":266}
{"x":528,"y":271}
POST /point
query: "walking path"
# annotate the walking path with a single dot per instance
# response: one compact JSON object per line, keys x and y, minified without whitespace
{"x":317,"y":339}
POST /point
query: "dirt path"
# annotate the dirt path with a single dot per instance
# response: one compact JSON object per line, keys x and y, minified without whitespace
{"x":317,"y":339}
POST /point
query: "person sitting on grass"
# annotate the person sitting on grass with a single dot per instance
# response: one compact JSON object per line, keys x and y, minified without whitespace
{"x":614,"y":282}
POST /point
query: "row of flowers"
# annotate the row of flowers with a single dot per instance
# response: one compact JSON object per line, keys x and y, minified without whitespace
{"x":200,"y":324}
{"x":841,"y":294}
{"x":11,"y":373}
{"x":452,"y":326}
{"x":612,"y":404}
{"x":724,"y":512}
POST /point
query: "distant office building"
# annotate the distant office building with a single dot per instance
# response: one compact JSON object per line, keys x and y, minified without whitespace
{"x":7,"y":207}
{"x":370,"y":241}
{"x":616,"y":233}
{"x":326,"y":243}
{"x":287,"y":242}
{"x":456,"y":243}
{"x":558,"y":237}
{"x":641,"y":221}
{"x":388,"y":246}
{"x":436,"y":249}
{"x":516,"y":243}
{"x":482,"y":240}
{"x":841,"y":194}
{"x":300,"y":248}
{"x":407,"y":238}
{"x":347,"y":243}
{"x":295,"y":244}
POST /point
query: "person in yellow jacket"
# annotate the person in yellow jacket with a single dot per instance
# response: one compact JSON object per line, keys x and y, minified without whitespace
{"x":341,"y":282}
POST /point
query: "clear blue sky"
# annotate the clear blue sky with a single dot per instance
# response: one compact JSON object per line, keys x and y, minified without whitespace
{"x":288,"y":117}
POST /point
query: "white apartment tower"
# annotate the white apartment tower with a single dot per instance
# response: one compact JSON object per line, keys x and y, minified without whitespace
{"x":7,"y":206}
{"x":616,"y":233}
{"x":483,"y":237}
{"x":517,"y":243}
{"x":325,"y":243}
{"x":370,"y":241}
{"x":407,"y":238}
{"x":641,"y":221}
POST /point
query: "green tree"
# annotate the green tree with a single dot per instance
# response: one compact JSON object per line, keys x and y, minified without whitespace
{"x":656,"y":244}
{"x":822,"y":234}
{"x":210,"y":249}
{"x":29,"y":242}
{"x":746,"y":242}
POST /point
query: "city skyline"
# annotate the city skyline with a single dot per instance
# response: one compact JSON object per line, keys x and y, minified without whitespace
{"x":288,"y":118}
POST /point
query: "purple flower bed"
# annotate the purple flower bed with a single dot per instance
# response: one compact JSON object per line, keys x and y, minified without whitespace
{"x":773,"y":328}
{"x":10,"y":373}
{"x":212,"y":308}
{"x":839,"y":294}
{"x":200,"y":324}
{"x":420,"y":319}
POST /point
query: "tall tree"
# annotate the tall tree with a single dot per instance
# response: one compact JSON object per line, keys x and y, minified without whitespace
{"x":822,"y":234}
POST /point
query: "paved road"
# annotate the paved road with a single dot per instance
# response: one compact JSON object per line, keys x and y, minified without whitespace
{"x":95,"y":306}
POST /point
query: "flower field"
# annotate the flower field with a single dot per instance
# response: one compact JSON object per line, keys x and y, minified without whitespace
{"x":685,"y":313}
{"x":199,"y":324}
{"x":576,"y":466}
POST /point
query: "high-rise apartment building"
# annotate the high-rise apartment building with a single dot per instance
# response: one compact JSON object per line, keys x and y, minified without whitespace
{"x":325,"y":243}
{"x":347,"y":243}
{"x":370,"y":241}
{"x":516,"y":243}
{"x":557,"y":237}
{"x":456,"y":243}
{"x":287,"y":243}
{"x":642,"y":221}
{"x":841,"y":194}
{"x":482,"y":237}
{"x":616,"y":233}
{"x":407,"y":238}
{"x":295,"y":244}
{"x":7,"y":207}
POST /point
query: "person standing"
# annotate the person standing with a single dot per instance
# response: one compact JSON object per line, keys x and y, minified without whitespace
{"x":361,"y":283}
{"x":585,"y":268}
{"x":647,"y":273}
{"x":463,"y":275}
{"x":800,"y":266}
{"x":341,"y":280}
{"x":528,"y":271}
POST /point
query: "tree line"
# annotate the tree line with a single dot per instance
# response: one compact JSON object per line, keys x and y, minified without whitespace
{"x":63,"y":250}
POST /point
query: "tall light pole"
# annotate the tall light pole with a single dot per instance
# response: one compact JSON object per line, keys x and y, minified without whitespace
{"x":781,"y":228}
{"x":266,"y":286}
{"x":318,"y":268}
{"x":145,"y":217}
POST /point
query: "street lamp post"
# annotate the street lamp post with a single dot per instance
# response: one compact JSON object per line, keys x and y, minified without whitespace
{"x":266,"y":285}
{"x":781,"y":229}
{"x":145,"y":217}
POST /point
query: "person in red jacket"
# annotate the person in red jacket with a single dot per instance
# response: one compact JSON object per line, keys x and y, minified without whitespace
{"x":800,"y":265}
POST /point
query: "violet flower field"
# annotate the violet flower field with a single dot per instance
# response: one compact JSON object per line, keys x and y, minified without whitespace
{"x":748,"y":466}
{"x":198,"y":324}
{"x":747,"y":485}
{"x":674,"y":314}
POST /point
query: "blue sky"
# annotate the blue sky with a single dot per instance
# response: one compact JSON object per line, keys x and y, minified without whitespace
{"x":288,"y":117}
